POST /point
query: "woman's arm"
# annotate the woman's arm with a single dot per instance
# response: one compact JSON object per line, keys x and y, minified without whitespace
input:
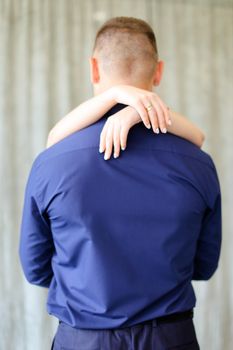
{"x":93,"y":109}
{"x":115,"y":131}
{"x":82,"y":116}
{"x":183,"y":127}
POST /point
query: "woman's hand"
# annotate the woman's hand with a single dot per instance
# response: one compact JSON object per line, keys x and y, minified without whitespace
{"x":115,"y":131}
{"x":144,"y":105}
{"x":149,"y":106}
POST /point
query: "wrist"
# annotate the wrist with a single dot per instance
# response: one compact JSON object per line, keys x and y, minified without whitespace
{"x":111,"y":95}
{"x":117,"y":94}
{"x":107,"y":98}
{"x":132,"y":115}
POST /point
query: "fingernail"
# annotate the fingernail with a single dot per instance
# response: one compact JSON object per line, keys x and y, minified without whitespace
{"x":122,"y":148}
{"x":106,"y":157}
{"x":115,"y":155}
{"x":169,"y":122}
{"x":101,"y":150}
{"x":157,"y":130}
{"x":164,"y":130}
{"x":148,"y":126}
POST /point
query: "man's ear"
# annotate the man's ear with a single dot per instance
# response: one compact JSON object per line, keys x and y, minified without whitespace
{"x":158,"y":73}
{"x":94,"y":69}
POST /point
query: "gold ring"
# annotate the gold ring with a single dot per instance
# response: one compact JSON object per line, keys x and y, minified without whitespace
{"x":149,"y":107}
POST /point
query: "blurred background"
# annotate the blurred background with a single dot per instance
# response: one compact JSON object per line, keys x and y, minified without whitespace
{"x":44,"y":73}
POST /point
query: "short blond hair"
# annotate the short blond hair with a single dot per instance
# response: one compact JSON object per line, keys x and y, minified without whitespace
{"x":129,"y":44}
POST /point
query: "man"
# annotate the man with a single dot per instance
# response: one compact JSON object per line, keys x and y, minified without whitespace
{"x":119,"y":242}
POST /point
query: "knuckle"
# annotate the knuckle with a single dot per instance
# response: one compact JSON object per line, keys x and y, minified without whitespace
{"x":115,"y":137}
{"x":124,"y":131}
{"x":138,"y":99}
{"x":124,"y":123}
{"x":143,"y":96}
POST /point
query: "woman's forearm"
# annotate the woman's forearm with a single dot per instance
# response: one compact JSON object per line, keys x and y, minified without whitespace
{"x":183,"y":127}
{"x":82,"y":116}
{"x":93,"y":109}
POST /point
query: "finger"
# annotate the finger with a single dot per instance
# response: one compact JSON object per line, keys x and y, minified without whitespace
{"x":123,"y":137}
{"x":169,"y":116}
{"x":102,"y":144}
{"x":152,"y":112}
{"x":108,"y":142}
{"x":116,"y":140}
{"x":141,"y":109}
{"x":154,"y":120}
{"x":148,"y":107}
{"x":160,"y":116}
{"x":165,"y":110}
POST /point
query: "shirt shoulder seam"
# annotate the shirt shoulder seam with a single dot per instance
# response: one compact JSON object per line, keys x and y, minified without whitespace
{"x":40,"y":161}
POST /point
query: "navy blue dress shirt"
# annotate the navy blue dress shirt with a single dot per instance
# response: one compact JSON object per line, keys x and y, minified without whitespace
{"x":118,"y":242}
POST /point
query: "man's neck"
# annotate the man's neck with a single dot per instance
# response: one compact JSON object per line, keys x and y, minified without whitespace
{"x":100,"y":88}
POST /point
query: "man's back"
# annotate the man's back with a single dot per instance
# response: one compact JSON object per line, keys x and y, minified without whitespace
{"x":127,"y":235}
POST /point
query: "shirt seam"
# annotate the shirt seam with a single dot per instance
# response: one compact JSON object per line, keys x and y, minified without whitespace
{"x":40,"y":161}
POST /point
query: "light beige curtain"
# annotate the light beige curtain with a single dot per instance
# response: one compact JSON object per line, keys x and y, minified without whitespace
{"x":44,"y":50}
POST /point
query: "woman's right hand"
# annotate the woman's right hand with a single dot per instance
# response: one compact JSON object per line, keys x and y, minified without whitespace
{"x":115,"y":131}
{"x":148,"y":104}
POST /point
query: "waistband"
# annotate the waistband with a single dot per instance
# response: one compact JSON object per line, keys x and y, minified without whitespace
{"x":179,"y":316}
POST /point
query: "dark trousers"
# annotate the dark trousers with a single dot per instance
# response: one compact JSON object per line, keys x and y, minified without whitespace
{"x":150,"y":335}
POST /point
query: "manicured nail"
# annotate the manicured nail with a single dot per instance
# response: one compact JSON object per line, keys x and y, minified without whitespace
{"x":169,"y":122}
{"x":122,"y":148}
{"x":164,"y":130}
{"x":148,"y":126}
{"x":115,"y":155}
{"x":157,"y":130}
{"x":106,"y":157}
{"x":101,"y":150}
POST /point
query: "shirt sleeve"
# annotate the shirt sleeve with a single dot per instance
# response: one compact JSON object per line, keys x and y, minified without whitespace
{"x":209,"y":243}
{"x":36,"y":244}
